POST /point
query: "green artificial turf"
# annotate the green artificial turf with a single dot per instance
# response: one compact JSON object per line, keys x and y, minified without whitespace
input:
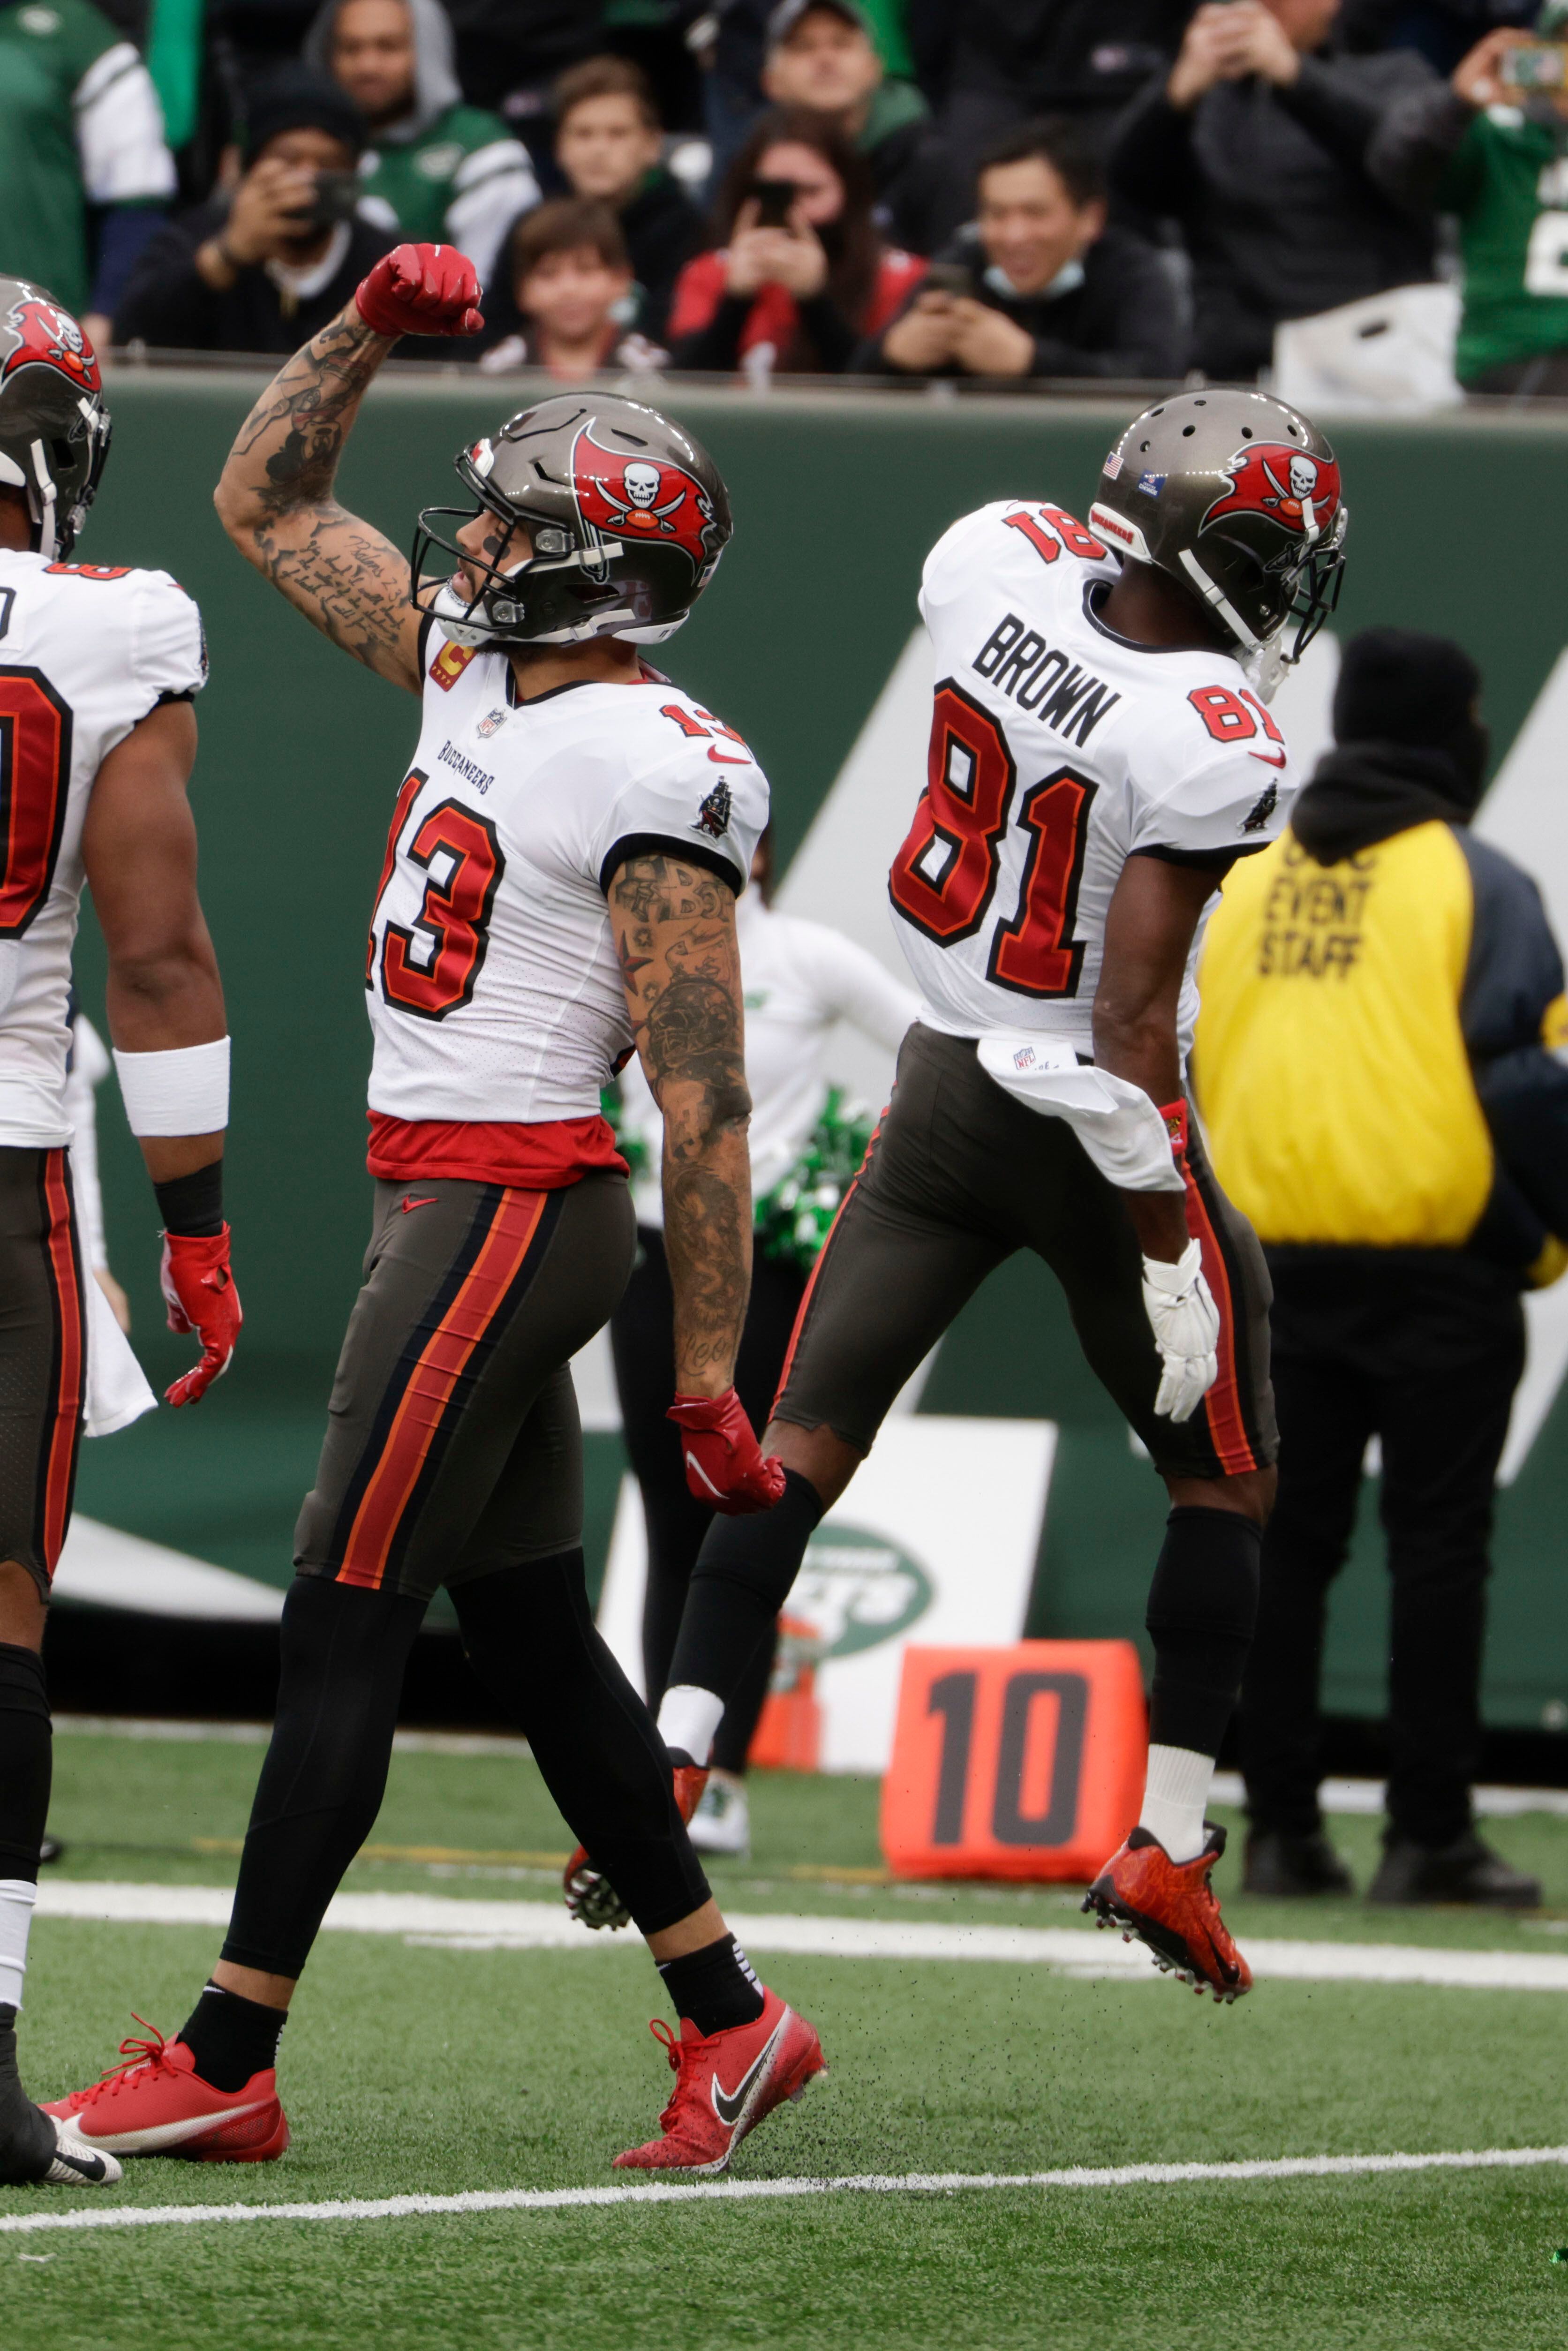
{"x":415,"y":2069}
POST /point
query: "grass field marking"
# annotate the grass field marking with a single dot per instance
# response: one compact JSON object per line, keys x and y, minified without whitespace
{"x":452,"y":1923}
{"x":916,"y":2183}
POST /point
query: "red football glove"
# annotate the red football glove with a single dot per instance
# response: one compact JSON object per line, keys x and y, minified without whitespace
{"x":199,"y":1291}
{"x":422,"y":290}
{"x":724,"y":1467}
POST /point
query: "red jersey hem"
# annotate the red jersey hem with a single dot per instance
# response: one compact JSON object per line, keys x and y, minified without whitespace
{"x":543,"y":1157}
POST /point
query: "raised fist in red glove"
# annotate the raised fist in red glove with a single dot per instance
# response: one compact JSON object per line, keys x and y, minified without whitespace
{"x":724,"y":1465}
{"x":422,"y":290}
{"x":199,"y":1289}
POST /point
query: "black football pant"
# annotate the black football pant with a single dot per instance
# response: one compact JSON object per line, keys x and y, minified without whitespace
{"x":642,"y":1335}
{"x":1424,"y":1349}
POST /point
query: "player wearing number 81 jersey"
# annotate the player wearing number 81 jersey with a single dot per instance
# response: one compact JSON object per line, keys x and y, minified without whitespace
{"x":1100,"y":753}
{"x":1058,"y":750}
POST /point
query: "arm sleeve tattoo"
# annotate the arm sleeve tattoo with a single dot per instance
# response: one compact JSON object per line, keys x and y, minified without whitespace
{"x":276,"y":501}
{"x":674,"y":936}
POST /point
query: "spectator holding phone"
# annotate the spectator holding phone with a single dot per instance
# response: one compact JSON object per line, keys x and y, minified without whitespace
{"x":801,"y":275}
{"x":267,"y":271}
{"x":570,"y":289}
{"x":822,"y":56}
{"x":1038,"y":285}
{"x":1257,"y":142}
{"x":1491,"y":145}
{"x":436,"y":171}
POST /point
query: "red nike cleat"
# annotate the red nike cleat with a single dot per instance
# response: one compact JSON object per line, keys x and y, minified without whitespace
{"x":1170,"y":1906}
{"x":726,"y":2084}
{"x":589,"y":1893}
{"x":156,"y":2103}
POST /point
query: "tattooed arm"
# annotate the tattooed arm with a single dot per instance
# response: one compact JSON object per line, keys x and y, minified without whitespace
{"x":275,"y":500}
{"x":673,"y":927}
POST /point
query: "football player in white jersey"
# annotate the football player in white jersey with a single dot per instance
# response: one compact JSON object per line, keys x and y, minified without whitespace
{"x":1100,"y":755}
{"x":558,"y":889}
{"x":98,"y":668}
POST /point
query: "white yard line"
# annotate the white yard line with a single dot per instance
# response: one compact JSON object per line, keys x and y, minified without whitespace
{"x":917,"y":2183}
{"x":439,"y":1921}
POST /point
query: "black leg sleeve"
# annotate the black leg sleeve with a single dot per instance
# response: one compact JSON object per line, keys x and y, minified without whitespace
{"x":1203,"y":1607}
{"x":344,"y":1651}
{"x":532,"y":1639}
{"x":741,"y":1580}
{"x":25,"y":1761}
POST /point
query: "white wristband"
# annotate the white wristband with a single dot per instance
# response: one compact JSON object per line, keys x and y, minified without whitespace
{"x":185,"y":1091}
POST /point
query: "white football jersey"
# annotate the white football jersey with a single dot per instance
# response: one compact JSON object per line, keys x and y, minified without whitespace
{"x":494,"y":990}
{"x":1059,"y":750}
{"x":85,"y":651}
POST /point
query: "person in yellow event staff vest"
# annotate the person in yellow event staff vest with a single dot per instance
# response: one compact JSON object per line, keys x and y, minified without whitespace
{"x":1380,"y":1064}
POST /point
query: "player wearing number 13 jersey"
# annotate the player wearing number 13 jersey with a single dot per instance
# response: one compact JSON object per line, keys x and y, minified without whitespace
{"x":558,"y":890}
{"x":1100,"y":753}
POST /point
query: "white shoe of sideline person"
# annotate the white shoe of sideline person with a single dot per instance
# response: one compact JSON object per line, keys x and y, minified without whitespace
{"x":722,"y":1821}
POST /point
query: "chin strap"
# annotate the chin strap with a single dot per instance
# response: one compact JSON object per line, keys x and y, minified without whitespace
{"x":42,"y":501}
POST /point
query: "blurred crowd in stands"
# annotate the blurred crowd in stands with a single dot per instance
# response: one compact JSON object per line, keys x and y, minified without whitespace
{"x":993,"y":190}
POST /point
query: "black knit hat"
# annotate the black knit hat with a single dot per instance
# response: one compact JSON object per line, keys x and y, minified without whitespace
{"x":1399,"y":686}
{"x":297,"y":97}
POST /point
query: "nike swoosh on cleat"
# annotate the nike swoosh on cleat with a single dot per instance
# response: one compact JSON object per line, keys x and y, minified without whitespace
{"x":729,"y":2104}
{"x":162,"y":2135}
{"x":75,"y":2165}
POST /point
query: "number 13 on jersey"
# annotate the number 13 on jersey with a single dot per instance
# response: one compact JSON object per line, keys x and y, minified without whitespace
{"x":943,"y":879}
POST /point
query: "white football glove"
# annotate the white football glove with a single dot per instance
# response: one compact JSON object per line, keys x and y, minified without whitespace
{"x":1186,"y":1323}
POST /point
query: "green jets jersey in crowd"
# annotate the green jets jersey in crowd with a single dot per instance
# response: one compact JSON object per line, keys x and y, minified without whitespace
{"x":79,"y":124}
{"x":443,"y":173}
{"x":1508,"y":181}
{"x":465,"y":168}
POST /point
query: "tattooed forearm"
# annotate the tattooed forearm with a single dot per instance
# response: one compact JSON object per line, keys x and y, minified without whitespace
{"x":707,"y":1240}
{"x":673,"y":925}
{"x":276,"y":501}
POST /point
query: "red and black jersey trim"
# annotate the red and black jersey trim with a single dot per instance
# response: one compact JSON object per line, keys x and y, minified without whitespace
{"x":664,"y":844}
{"x":1225,"y":1407}
{"x":442,"y":1362}
{"x":54,"y":1488}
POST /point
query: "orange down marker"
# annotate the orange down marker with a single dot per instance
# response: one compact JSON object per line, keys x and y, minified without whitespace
{"x":1021,"y":1763}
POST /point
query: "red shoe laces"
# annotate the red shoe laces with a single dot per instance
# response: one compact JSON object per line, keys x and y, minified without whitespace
{"x":134,"y":2056}
{"x":678,"y":2053}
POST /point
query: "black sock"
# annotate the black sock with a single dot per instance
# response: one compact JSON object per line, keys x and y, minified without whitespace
{"x":716,"y":1987}
{"x":230,"y":2037}
{"x":1203,"y":1606}
{"x":740,"y":1583}
{"x":27,"y":2136}
{"x":25,"y":1760}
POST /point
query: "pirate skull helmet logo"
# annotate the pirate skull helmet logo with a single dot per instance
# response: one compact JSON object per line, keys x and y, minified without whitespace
{"x":655,"y":501}
{"x":1280,"y":484}
{"x":44,"y":332}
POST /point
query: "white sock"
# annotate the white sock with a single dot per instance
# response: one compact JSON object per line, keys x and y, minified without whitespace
{"x":17,"y":1896}
{"x":1175,"y":1794}
{"x":689,"y":1719}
